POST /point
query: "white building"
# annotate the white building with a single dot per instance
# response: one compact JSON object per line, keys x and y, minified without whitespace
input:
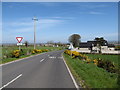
{"x":94,"y":47}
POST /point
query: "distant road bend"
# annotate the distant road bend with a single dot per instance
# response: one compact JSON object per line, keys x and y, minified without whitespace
{"x":46,"y":70}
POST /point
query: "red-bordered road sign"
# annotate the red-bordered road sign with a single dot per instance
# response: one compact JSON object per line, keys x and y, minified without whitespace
{"x":19,"y":39}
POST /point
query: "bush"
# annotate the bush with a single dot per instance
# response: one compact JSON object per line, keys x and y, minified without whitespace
{"x":88,"y":60}
{"x":75,"y":54}
{"x":16,"y":53}
{"x":23,"y":52}
{"x":33,"y":52}
{"x":117,"y":47}
{"x":8,"y":55}
{"x":68,"y":52}
{"x":95,"y":61}
{"x":39,"y":51}
{"x":107,"y":65}
{"x":45,"y":50}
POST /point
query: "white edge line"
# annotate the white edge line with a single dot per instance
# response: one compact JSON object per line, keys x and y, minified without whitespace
{"x":11,"y":81}
{"x":21,"y":59}
{"x":41,"y":60}
{"x":70,"y":73}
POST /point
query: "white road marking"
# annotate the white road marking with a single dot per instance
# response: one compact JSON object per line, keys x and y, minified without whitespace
{"x":11,"y":81}
{"x":41,"y":60}
{"x":52,"y":57}
{"x":60,"y":57}
{"x":70,"y":74}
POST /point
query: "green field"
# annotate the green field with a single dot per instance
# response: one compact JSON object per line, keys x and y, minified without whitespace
{"x":91,"y":76}
{"x":112,"y":58}
{"x":7,"y":50}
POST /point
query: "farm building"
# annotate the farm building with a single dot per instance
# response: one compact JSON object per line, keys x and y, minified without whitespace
{"x":92,"y":46}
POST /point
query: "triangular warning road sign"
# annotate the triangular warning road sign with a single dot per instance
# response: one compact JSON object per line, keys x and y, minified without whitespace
{"x":19,"y":39}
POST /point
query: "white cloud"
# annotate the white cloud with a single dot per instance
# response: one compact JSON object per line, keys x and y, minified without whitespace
{"x":50,"y":21}
{"x":30,"y":23}
{"x":16,"y":24}
{"x":95,"y":13}
{"x":91,"y":6}
{"x":111,"y":35}
{"x":57,"y":17}
{"x":48,"y":4}
{"x":22,"y":30}
{"x":61,"y":0}
{"x":28,"y":26}
{"x":107,"y":36}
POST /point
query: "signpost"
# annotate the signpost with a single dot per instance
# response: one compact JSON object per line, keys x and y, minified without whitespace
{"x":19,"y":39}
{"x":19,"y":44}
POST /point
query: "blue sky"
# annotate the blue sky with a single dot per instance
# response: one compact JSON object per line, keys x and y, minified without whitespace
{"x":57,"y":21}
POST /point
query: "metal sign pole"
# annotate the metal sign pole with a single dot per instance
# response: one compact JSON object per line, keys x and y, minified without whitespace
{"x":19,"y":47}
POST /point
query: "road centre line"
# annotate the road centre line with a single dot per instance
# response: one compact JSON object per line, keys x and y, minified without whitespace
{"x":41,"y":60}
{"x":60,"y":57}
{"x":11,"y":81}
{"x":52,"y":57}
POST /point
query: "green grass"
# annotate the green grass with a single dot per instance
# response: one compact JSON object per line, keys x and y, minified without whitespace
{"x":13,"y":59}
{"x":112,"y":58}
{"x":92,"y":76}
{"x":8,"y":49}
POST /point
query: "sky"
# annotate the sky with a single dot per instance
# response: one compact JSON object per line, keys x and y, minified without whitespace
{"x":58,"y":20}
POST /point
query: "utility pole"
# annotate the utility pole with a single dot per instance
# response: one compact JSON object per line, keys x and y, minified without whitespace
{"x":35,"y":19}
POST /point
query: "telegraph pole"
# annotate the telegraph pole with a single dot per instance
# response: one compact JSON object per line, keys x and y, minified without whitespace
{"x":35,"y":19}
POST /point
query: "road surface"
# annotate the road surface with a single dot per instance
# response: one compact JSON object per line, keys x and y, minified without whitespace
{"x":46,"y":70}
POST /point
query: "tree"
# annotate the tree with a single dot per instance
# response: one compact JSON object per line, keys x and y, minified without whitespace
{"x":100,"y":41}
{"x":50,"y":42}
{"x":75,"y":39}
{"x":26,"y":43}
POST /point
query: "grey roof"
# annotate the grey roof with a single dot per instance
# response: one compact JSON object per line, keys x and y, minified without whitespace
{"x":88,"y":44}
{"x":84,"y":45}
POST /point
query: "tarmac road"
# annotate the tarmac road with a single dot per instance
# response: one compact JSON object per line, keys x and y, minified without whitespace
{"x":46,"y":70}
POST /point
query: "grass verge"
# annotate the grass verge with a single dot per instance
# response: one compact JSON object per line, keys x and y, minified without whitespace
{"x":112,"y":58}
{"x":13,"y":59}
{"x":89,"y":75}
